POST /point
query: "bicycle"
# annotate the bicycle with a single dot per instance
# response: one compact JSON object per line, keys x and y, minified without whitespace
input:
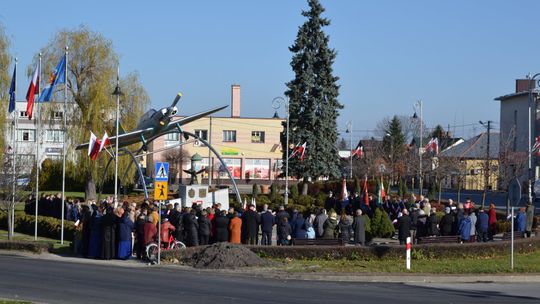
{"x":152,"y":248}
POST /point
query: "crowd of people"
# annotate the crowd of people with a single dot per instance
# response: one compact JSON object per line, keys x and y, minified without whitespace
{"x":106,"y":232}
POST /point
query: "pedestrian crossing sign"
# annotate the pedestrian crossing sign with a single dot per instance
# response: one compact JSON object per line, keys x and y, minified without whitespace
{"x":160,"y":191}
{"x":162,"y":172}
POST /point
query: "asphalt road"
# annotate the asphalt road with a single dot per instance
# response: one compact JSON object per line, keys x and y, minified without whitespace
{"x":47,"y":281}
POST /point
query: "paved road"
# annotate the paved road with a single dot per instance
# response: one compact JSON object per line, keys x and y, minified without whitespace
{"x":49,"y":281}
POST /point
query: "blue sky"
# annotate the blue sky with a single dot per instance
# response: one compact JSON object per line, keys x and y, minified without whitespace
{"x":454,"y":55}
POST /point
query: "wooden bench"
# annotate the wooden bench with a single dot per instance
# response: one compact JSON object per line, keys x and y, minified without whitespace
{"x":438,"y":239}
{"x":320,"y":242}
{"x":507,"y":236}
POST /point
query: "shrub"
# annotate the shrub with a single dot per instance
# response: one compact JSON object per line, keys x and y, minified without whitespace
{"x":255,"y":190}
{"x":26,"y":246}
{"x":503,"y":226}
{"x":294,"y":191}
{"x":381,"y":226}
{"x":315,"y":188}
{"x":47,"y":226}
{"x":305,"y":200}
{"x":273,"y":192}
{"x":357,"y":186}
{"x":263,"y":199}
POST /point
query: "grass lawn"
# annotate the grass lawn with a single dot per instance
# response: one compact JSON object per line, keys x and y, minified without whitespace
{"x":523,"y":263}
{"x":14,"y":302}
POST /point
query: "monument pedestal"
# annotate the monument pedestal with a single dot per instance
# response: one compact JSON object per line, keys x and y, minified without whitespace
{"x":200,"y":195}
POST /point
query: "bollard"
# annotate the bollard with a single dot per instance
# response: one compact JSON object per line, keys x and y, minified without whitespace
{"x":408,"y":256}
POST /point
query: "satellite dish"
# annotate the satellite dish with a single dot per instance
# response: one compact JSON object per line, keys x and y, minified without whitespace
{"x":514,"y":192}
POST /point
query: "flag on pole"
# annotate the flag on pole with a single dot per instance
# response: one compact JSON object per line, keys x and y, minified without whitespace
{"x":359,"y":151}
{"x":433,"y":146}
{"x":33,"y":89}
{"x":366,"y":194}
{"x":104,"y":141}
{"x":382,"y":194}
{"x":536,"y":146}
{"x":299,"y":150}
{"x":57,"y":76}
{"x":12,"y":89}
{"x":93,"y":146}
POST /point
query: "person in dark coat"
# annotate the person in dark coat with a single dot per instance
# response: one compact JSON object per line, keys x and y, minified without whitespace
{"x":139,"y":234}
{"x":483,"y":225}
{"x":421,"y":224}
{"x":330,"y":202}
{"x":330,"y":227}
{"x":285,"y":232}
{"x":250,"y":223}
{"x":191,"y":227}
{"x":446,"y":225}
{"x":300,"y":231}
{"x":222,"y":226}
{"x":205,"y":227}
{"x":108,"y":233}
{"x":404,"y":227}
{"x":318,"y":224}
{"x":267,"y":223}
{"x":344,"y":227}
{"x":280,"y":218}
{"x":433,"y":223}
{"x":359,"y":228}
{"x":125,"y":228}
{"x":94,"y":247}
{"x":86,"y":217}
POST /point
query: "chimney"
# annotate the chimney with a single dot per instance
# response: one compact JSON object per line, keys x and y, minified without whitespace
{"x":235,"y":100}
{"x":522,"y":85}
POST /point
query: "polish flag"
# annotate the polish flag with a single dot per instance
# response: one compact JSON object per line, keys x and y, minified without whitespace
{"x":104,"y":141}
{"x":93,"y":146}
{"x":33,"y":89}
{"x":299,"y":150}
{"x":433,"y":146}
{"x":359,"y":151}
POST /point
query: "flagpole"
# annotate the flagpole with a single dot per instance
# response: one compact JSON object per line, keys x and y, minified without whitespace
{"x":37,"y":151}
{"x":116,"y":145}
{"x":64,"y":148}
{"x":14,"y":165}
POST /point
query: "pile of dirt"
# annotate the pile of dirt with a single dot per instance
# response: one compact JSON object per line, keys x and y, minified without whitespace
{"x":225,"y":256}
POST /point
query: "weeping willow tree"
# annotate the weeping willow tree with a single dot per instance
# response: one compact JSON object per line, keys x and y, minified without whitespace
{"x":91,"y":78}
{"x":5,"y":61}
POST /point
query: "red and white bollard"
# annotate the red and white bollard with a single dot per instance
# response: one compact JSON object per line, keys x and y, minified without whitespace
{"x":408,"y":256}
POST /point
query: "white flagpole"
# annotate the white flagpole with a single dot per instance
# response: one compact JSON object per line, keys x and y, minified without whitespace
{"x":14,"y":154}
{"x":37,"y":151}
{"x":64,"y":148}
{"x":116,"y":147}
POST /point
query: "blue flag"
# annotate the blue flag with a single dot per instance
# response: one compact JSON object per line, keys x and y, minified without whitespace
{"x":57,"y":76}
{"x":12,"y":91}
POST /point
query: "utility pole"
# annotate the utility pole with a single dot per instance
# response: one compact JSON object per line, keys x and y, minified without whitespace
{"x":210,"y":167}
{"x":487,"y":160}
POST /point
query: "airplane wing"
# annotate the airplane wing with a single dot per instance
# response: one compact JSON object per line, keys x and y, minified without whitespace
{"x":188,"y":119}
{"x":123,"y":139}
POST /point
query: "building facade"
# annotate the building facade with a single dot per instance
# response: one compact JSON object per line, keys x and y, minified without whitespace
{"x":250,"y":147}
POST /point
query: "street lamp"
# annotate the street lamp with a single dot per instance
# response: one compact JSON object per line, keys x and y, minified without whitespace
{"x":276,"y":104}
{"x":530,"y":174}
{"x":117,"y":92}
{"x":349,"y":130}
{"x":418,"y":105}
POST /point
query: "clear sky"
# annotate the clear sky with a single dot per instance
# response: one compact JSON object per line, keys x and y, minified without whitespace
{"x":454,"y":55}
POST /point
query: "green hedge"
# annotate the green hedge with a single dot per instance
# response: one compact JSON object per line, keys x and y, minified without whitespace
{"x":391,"y":252}
{"x":26,"y":246}
{"x":47,"y":226}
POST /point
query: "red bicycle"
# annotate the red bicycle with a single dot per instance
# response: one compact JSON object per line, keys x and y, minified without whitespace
{"x":152,"y":248}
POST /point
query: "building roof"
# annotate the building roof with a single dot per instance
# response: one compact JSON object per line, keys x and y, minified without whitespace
{"x":513,"y":95}
{"x":475,"y":148}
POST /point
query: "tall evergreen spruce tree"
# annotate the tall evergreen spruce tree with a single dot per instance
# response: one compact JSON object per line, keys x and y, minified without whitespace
{"x":313,"y":103}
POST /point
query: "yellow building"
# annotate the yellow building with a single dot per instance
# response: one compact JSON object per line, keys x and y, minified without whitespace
{"x":465,"y":163}
{"x":250,"y":147}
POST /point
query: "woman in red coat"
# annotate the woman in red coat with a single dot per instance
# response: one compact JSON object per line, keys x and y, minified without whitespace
{"x":492,"y":221}
{"x":235,"y":229}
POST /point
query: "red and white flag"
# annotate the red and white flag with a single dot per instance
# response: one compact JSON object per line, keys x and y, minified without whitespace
{"x":299,"y":150}
{"x":104,"y":142}
{"x":359,"y":151}
{"x":33,"y":89}
{"x":536,"y":147}
{"x":433,"y":146}
{"x":344,"y":193}
{"x":93,"y":146}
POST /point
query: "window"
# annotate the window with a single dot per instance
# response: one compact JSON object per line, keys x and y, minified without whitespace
{"x":54,"y":136}
{"x":257,"y":136}
{"x":257,"y":169}
{"x":57,"y":115}
{"x":23,"y":114}
{"x":171,"y":137}
{"x":26,"y":135}
{"x":203,"y":134}
{"x":234,"y":165}
{"x":229,"y":135}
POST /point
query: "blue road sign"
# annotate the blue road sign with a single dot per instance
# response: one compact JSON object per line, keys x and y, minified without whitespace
{"x":162,"y":172}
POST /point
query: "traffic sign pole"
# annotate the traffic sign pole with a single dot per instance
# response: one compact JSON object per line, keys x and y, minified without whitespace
{"x":161,"y":179}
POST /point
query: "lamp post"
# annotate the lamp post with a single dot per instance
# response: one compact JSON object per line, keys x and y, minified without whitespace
{"x":530,"y":174}
{"x":349,"y":130}
{"x":276,"y":104}
{"x":487,"y":162}
{"x":418,"y":105}
{"x":117,"y":93}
